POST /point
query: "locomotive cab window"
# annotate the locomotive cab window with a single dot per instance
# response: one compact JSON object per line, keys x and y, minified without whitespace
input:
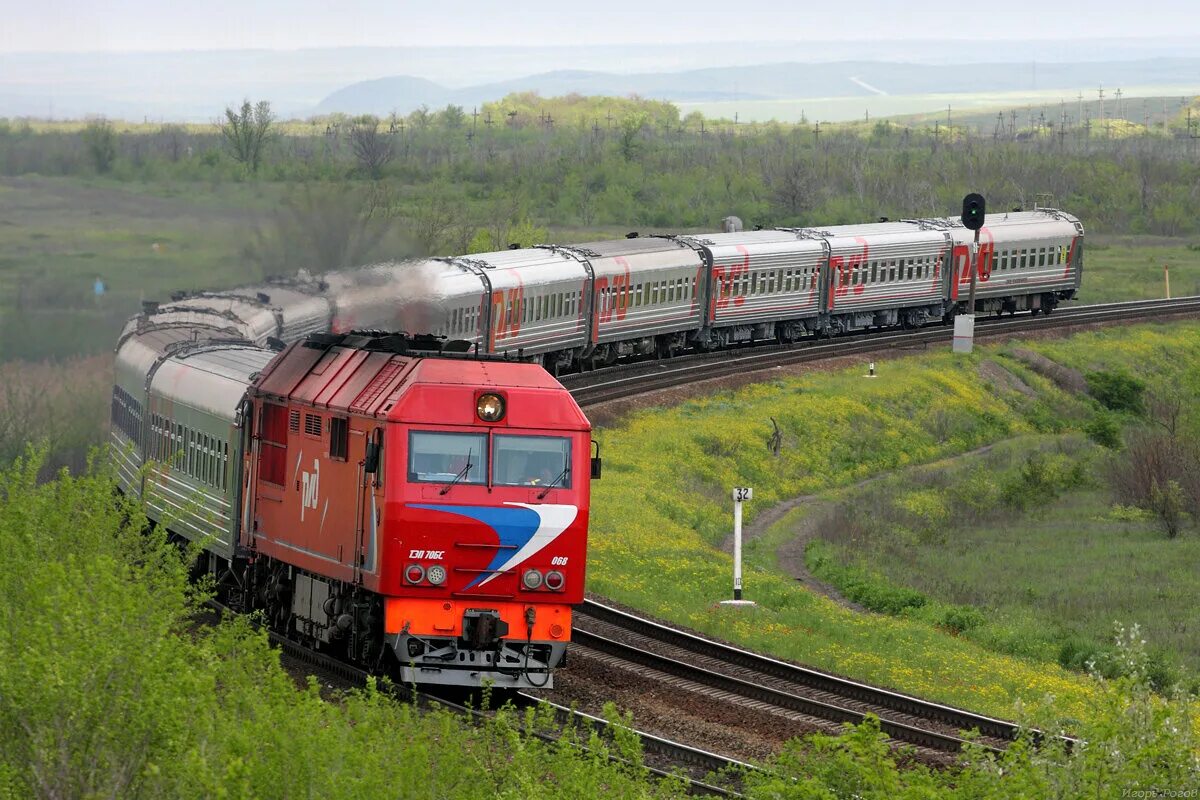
{"x":531,"y":461}
{"x":435,"y":457}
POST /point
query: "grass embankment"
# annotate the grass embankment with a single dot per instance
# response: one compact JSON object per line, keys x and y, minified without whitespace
{"x":107,"y":688}
{"x":1022,"y":550}
{"x":658,"y":521}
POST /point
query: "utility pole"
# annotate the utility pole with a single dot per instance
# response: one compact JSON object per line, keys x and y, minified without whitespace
{"x":1120,"y":108}
{"x":1102,"y":105}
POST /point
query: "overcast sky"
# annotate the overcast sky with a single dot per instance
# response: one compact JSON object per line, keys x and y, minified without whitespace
{"x":123,"y":25}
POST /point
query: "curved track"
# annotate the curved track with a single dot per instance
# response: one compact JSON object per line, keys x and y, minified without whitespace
{"x":715,"y":665}
{"x":722,"y":668}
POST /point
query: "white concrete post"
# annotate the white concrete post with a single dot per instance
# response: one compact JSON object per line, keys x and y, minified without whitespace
{"x":740,"y":494}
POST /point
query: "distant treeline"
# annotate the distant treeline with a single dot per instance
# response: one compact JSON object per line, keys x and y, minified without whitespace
{"x":597,"y":161}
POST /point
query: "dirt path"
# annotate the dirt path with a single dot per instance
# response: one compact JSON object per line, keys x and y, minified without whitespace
{"x":790,"y":554}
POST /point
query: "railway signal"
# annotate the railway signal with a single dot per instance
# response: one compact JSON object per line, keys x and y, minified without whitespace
{"x":974,"y":210}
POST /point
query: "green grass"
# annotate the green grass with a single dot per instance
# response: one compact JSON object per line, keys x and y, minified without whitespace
{"x":1132,"y":269}
{"x":1047,"y":578}
{"x":58,"y":235}
{"x":657,"y":522}
{"x":975,"y":108}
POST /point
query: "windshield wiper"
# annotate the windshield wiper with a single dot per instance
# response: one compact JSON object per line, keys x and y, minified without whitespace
{"x":552,"y":483}
{"x":462,"y":473}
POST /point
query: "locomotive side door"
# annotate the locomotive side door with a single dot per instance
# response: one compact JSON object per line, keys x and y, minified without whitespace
{"x":369,"y":502}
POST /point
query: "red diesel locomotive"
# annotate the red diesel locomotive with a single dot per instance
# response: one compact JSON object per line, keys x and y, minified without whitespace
{"x":420,"y":512}
{"x":454,"y":490}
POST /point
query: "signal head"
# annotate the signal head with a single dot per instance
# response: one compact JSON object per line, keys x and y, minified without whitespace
{"x":973,"y":210}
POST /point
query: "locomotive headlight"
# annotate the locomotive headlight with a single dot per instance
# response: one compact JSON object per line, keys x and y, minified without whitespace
{"x":555,"y":580}
{"x":414,"y":573}
{"x":490,"y":407}
{"x":436,"y":574}
{"x":532,"y":579}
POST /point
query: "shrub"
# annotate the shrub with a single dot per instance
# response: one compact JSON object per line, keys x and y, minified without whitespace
{"x":958,"y":619}
{"x":1157,"y":472}
{"x":1103,"y":429}
{"x":1117,"y":390}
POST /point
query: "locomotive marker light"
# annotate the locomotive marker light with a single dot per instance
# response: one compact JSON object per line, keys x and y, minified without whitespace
{"x":974,"y":210}
{"x":740,"y":494}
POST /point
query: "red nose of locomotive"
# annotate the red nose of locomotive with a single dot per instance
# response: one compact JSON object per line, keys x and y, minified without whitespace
{"x":487,"y":514}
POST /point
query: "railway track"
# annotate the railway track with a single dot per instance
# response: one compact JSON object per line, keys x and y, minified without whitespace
{"x":729,"y":671}
{"x":629,"y":380}
{"x":665,"y":758}
{"x":724,"y":671}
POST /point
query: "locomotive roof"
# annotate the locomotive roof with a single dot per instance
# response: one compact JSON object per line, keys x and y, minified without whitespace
{"x":369,"y":374}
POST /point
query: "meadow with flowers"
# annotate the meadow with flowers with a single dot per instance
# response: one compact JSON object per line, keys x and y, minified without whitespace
{"x":663,"y":508}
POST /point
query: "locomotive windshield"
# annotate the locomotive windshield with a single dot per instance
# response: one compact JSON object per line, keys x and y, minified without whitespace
{"x":436,"y":457}
{"x":532,"y":461}
{"x":443,"y":457}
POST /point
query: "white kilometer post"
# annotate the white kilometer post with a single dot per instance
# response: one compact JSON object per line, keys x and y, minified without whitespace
{"x":740,"y":494}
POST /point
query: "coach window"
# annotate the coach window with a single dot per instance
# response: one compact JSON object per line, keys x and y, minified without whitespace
{"x":435,"y":457}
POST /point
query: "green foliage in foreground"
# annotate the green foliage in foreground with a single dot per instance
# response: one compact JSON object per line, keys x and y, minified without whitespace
{"x":108,"y":689}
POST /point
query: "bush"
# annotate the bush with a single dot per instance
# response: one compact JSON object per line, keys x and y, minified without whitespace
{"x":958,"y":619}
{"x":110,"y":689}
{"x":1104,"y":430}
{"x":1117,"y":390}
{"x":1159,"y":473}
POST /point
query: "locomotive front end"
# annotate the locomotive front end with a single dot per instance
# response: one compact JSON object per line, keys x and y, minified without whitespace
{"x":486,"y":526}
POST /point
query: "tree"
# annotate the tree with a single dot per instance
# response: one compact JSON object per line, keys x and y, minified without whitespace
{"x":373,"y":149}
{"x":247,"y":132}
{"x":320,"y":228}
{"x":453,"y":117}
{"x":101,"y":142}
{"x":631,"y":132}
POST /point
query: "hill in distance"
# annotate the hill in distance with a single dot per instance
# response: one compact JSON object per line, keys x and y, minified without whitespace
{"x":769,"y":82}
